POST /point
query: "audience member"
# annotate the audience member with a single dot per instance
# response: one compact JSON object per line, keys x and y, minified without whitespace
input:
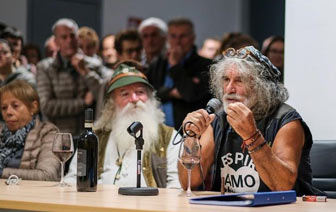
{"x":209,"y":48}
{"x":273,"y":48}
{"x":129,"y":98}
{"x":15,"y":38}
{"x":8,"y":72}
{"x":108,"y":52}
{"x":50,"y":47}
{"x":88,"y":41}
{"x":236,"y":40}
{"x":153,"y":33}
{"x":128,"y":45}
{"x":181,"y":78}
{"x":258,"y":143}
{"x":25,"y":141}
{"x":64,"y":94}
{"x":32,"y":53}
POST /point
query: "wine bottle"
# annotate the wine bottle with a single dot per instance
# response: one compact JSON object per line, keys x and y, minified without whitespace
{"x":87,"y":156}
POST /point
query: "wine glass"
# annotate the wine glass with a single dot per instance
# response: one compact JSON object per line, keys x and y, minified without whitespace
{"x":63,"y":148}
{"x":189,"y":155}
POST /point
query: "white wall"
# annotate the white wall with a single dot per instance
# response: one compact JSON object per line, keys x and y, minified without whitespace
{"x":14,"y":13}
{"x":223,"y":15}
{"x":310,"y":63}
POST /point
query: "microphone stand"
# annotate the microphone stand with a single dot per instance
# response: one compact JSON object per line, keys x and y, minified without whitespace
{"x":138,"y":191}
{"x":139,"y":141}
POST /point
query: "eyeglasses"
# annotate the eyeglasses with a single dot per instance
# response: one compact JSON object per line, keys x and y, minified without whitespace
{"x":4,"y":52}
{"x":242,"y":53}
{"x":150,"y":35}
{"x":253,"y":55}
{"x":173,"y":36}
{"x":131,"y":50}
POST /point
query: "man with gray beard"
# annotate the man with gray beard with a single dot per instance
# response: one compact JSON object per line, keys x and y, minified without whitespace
{"x":129,"y":97}
{"x":257,"y":143}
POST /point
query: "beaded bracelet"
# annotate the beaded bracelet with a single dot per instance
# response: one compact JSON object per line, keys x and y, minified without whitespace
{"x":258,"y":147}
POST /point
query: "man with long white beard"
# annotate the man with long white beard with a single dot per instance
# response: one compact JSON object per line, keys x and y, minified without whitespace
{"x":129,"y":97}
{"x":258,"y":143}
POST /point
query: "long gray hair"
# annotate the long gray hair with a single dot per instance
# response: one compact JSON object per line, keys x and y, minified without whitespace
{"x":266,"y":93}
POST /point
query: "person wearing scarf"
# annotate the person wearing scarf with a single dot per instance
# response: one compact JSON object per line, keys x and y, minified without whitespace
{"x":25,"y":141}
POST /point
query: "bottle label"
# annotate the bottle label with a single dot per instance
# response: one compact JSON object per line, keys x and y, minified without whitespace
{"x":81,"y":162}
{"x":88,"y":124}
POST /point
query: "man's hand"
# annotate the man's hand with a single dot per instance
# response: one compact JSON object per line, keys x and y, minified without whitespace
{"x":77,"y":61}
{"x":200,"y":121}
{"x":241,"y":119}
{"x":175,"y":55}
{"x":174,"y":93}
{"x":88,"y":99}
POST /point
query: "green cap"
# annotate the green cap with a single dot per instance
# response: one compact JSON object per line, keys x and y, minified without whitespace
{"x":126,"y":75}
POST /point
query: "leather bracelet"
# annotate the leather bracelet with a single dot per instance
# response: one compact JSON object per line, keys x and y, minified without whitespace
{"x":258,"y":147}
{"x":254,"y":134}
{"x":254,"y":138}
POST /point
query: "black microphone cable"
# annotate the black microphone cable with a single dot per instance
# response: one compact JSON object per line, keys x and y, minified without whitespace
{"x":212,"y":106}
{"x":188,"y":132}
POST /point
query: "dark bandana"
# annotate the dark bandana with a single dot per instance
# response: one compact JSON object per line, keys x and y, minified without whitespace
{"x":274,"y":73}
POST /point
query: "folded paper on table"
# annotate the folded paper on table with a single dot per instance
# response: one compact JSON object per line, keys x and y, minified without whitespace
{"x":247,"y":199}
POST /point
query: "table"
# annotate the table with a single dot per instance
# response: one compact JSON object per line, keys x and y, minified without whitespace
{"x":44,"y":196}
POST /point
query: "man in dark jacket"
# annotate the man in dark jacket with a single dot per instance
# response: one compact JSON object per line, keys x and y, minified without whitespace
{"x":181,"y":78}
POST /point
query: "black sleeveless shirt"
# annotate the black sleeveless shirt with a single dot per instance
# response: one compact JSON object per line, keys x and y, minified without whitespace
{"x":238,"y":168}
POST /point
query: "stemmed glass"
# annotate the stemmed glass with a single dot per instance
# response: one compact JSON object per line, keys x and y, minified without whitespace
{"x":63,"y":148}
{"x":189,"y":156}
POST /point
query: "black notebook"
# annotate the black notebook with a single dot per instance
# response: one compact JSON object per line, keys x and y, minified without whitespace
{"x":247,"y":199}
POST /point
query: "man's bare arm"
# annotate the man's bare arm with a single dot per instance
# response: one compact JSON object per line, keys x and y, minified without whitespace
{"x":277,"y":166}
{"x":201,"y":126}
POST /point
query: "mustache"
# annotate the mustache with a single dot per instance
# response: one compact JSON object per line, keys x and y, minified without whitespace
{"x":233,"y":96}
{"x":138,"y":106}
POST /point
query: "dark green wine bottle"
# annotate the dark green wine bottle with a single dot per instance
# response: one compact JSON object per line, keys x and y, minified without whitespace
{"x":87,"y":156}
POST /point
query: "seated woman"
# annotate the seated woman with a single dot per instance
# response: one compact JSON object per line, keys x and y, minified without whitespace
{"x":25,"y":141}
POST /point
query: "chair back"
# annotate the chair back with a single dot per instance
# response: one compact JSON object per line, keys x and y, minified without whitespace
{"x":323,"y":164}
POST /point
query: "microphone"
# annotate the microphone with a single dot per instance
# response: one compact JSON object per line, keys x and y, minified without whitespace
{"x":213,"y":106}
{"x":134,"y":130}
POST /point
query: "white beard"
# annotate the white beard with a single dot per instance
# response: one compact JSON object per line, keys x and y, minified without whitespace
{"x":147,"y":113}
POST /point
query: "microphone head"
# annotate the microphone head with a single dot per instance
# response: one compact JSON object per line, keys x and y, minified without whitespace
{"x":134,"y":128}
{"x":213,"y":106}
